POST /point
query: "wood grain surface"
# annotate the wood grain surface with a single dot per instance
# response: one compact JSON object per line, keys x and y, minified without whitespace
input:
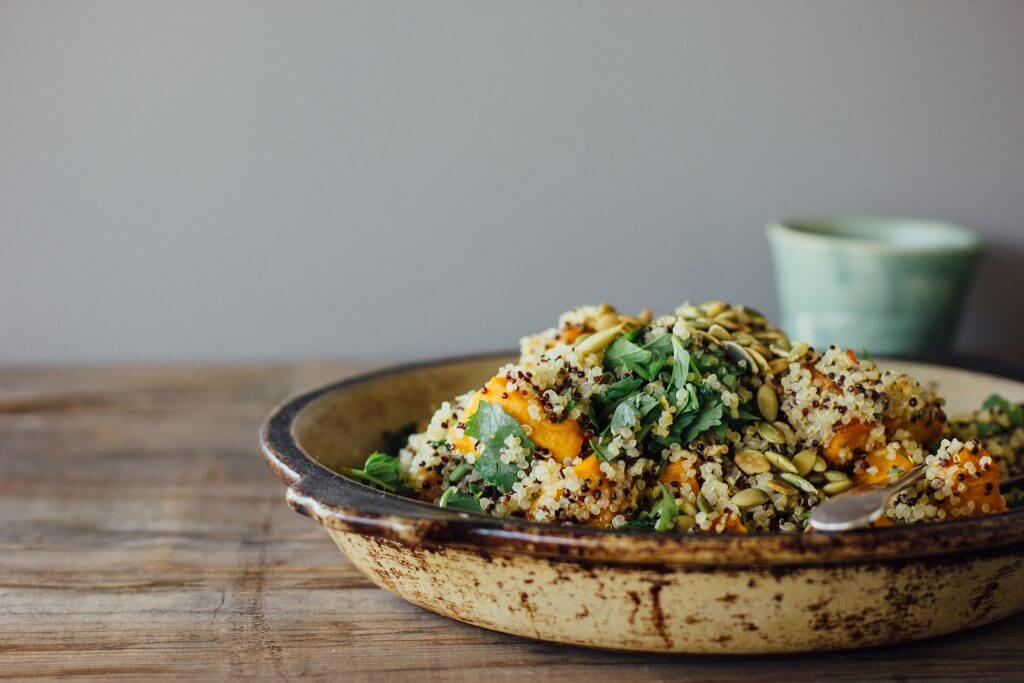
{"x":142,"y":535}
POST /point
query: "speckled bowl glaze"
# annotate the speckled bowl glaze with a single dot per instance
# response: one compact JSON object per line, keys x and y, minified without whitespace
{"x":724,"y":594}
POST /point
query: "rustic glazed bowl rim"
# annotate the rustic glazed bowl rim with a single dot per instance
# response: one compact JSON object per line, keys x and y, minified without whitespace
{"x":344,"y":504}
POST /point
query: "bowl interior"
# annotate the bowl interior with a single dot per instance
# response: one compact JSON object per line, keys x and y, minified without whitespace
{"x":900,"y":233}
{"x":341,"y":428}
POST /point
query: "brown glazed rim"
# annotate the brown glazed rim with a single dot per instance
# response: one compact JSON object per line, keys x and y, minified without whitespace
{"x":343,"y":504}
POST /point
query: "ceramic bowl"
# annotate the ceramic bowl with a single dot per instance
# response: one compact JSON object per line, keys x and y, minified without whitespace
{"x":887,"y":285}
{"x":721,"y":594}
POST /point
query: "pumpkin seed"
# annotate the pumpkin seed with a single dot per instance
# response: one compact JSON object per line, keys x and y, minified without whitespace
{"x":606,"y":320}
{"x":799,"y":482}
{"x":837,"y":487}
{"x":770,"y":433}
{"x":798,"y":352}
{"x":780,"y":462}
{"x":778,"y":366}
{"x":645,"y":316}
{"x":713,"y":308}
{"x":741,"y":357}
{"x":762,"y":364}
{"x":748,"y":498}
{"x":786,"y":430}
{"x":599,"y":340}
{"x":752,"y":462}
{"x":687,"y":310}
{"x":605,"y":307}
{"x":688,"y":507}
{"x":767,"y":403}
{"x":781,"y":487}
{"x":700,"y":323}
{"x":804,"y":461}
{"x":819,"y":464}
{"x":719,"y":332}
{"x":835,"y":475}
{"x":703,"y":505}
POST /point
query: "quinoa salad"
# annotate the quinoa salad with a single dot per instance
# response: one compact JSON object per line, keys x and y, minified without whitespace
{"x":707,"y":420}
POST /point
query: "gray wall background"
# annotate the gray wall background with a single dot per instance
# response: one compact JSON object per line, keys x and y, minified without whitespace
{"x":403,"y":179}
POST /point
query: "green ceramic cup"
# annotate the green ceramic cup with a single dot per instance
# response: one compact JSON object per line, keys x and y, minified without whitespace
{"x":889,"y":286}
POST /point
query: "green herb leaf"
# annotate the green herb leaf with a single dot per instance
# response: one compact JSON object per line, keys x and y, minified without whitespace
{"x":384,"y":468}
{"x":460,"y":472}
{"x":641,"y":521}
{"x":600,"y":448}
{"x":625,"y":415}
{"x":1013,"y":411}
{"x":680,"y":365}
{"x":709,"y":416}
{"x":491,"y":426}
{"x":381,"y":470}
{"x":457,"y":500}
{"x":632,"y":410}
{"x":645,"y":361}
{"x":665,"y":509}
{"x":616,"y":392}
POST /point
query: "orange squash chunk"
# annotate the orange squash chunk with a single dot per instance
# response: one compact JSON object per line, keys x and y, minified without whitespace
{"x":850,"y":437}
{"x":879,"y":459}
{"x":981,"y":487}
{"x":675,"y":473}
{"x":563,"y":440}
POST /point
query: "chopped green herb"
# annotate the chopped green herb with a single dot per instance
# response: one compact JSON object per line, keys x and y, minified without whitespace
{"x":380,"y":470}
{"x":460,"y":471}
{"x":457,"y":500}
{"x":490,"y":425}
{"x":645,"y":361}
{"x":1014,"y":411}
{"x":680,"y":365}
{"x":665,"y":510}
{"x":600,"y":448}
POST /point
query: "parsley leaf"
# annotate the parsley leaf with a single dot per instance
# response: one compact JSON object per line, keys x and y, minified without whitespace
{"x":491,"y":426}
{"x":600,"y":448}
{"x":457,"y":500}
{"x":665,"y":509}
{"x":632,"y":410}
{"x":1013,"y":411}
{"x":384,"y":468}
{"x":641,"y":521}
{"x":645,"y":361}
{"x":680,"y":366}
{"x":709,"y":416}
{"x":616,"y":392}
{"x":382,"y":471}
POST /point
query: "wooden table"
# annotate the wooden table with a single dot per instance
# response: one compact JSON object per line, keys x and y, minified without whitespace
{"x":141,"y":533}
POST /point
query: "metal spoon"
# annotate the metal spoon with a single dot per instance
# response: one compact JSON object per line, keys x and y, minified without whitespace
{"x":859,"y":507}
